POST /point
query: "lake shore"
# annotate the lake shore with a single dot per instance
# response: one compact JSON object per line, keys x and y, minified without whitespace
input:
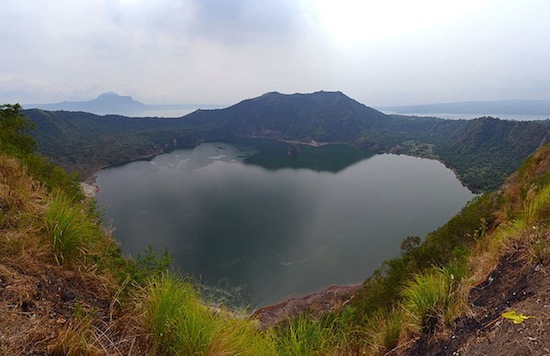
{"x":89,"y":189}
{"x":317,"y":303}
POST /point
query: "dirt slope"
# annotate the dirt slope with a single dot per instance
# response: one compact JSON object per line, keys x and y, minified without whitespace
{"x":515,"y":284}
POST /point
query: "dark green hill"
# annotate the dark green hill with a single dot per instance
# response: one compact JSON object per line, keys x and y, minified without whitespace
{"x":321,"y":116}
{"x":85,"y":142}
{"x":482,"y":151}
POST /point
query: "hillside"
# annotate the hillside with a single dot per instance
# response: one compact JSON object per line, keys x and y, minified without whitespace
{"x":84,"y":143}
{"x":482,"y":152}
{"x":321,"y":116}
{"x":65,"y":289}
{"x":511,"y":273}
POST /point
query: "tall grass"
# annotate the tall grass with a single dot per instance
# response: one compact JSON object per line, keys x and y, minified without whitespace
{"x":178,"y":324}
{"x":305,"y":336}
{"x":72,"y":233}
{"x":77,"y":339}
{"x":170,"y":308}
{"x":538,"y":205}
{"x":432,"y":298}
{"x":384,"y":331}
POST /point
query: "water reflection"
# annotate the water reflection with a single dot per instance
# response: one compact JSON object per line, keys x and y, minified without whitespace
{"x":266,"y":234}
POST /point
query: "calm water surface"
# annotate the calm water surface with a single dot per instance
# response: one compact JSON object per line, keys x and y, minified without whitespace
{"x":255,"y":236}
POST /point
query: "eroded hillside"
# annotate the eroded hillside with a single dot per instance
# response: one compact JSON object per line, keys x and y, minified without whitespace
{"x":510,"y":273}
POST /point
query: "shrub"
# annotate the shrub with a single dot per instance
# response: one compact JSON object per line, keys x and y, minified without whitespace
{"x":305,"y":336}
{"x":431,"y":298}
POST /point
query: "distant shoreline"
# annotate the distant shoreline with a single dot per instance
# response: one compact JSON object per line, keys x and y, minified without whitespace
{"x":90,"y":188}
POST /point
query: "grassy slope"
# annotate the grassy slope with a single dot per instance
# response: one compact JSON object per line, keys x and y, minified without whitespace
{"x":508,"y":272}
{"x":505,"y":233}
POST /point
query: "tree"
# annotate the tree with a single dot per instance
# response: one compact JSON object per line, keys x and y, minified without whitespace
{"x":14,"y":128}
{"x":409,"y":244}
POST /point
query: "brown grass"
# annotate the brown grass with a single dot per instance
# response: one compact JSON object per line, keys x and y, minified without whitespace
{"x":41,"y":302}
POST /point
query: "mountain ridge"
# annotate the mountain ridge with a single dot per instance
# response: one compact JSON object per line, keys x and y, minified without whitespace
{"x":105,"y":103}
{"x":482,"y":152}
{"x":333,"y":115}
{"x":111,"y":103}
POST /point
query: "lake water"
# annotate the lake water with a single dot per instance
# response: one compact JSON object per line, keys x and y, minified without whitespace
{"x":255,"y":226}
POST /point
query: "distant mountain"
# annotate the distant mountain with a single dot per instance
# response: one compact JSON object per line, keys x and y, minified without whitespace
{"x":498,"y":107}
{"x":114,"y":104}
{"x":106,"y":103}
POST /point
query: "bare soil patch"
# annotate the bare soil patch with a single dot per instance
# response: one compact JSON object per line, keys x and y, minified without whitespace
{"x":38,"y":302}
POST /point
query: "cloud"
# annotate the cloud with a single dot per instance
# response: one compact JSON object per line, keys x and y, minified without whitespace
{"x":242,"y":20}
{"x":216,"y":51}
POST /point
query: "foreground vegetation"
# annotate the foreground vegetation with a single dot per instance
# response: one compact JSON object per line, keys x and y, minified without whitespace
{"x":66,"y":289}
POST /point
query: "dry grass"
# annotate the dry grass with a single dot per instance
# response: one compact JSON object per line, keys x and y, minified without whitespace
{"x":385,"y":331}
{"x":76,"y":339}
{"x":39,"y":298}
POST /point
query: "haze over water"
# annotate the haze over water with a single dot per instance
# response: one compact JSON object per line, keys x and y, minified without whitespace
{"x":265,"y":235}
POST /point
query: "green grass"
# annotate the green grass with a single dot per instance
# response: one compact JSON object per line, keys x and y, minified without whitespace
{"x":538,"y":205}
{"x":72,"y":233}
{"x":432,"y":299}
{"x":425,"y":297}
{"x":171,"y":314}
{"x":385,"y":331}
{"x":305,"y":336}
{"x":178,"y":324}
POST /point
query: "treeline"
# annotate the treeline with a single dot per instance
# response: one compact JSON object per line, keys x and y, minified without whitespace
{"x":84,"y":143}
{"x":16,"y":141}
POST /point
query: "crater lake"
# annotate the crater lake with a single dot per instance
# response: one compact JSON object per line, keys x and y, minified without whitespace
{"x":254,"y":225}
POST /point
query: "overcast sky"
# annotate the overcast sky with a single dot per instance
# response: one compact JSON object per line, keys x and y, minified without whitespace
{"x":379,"y":52}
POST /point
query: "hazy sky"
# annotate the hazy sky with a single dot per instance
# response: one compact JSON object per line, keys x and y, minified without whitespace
{"x":380,"y":52}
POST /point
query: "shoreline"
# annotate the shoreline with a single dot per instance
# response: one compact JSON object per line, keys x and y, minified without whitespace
{"x":316,"y":303}
{"x":89,"y":186}
{"x":89,"y":190}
